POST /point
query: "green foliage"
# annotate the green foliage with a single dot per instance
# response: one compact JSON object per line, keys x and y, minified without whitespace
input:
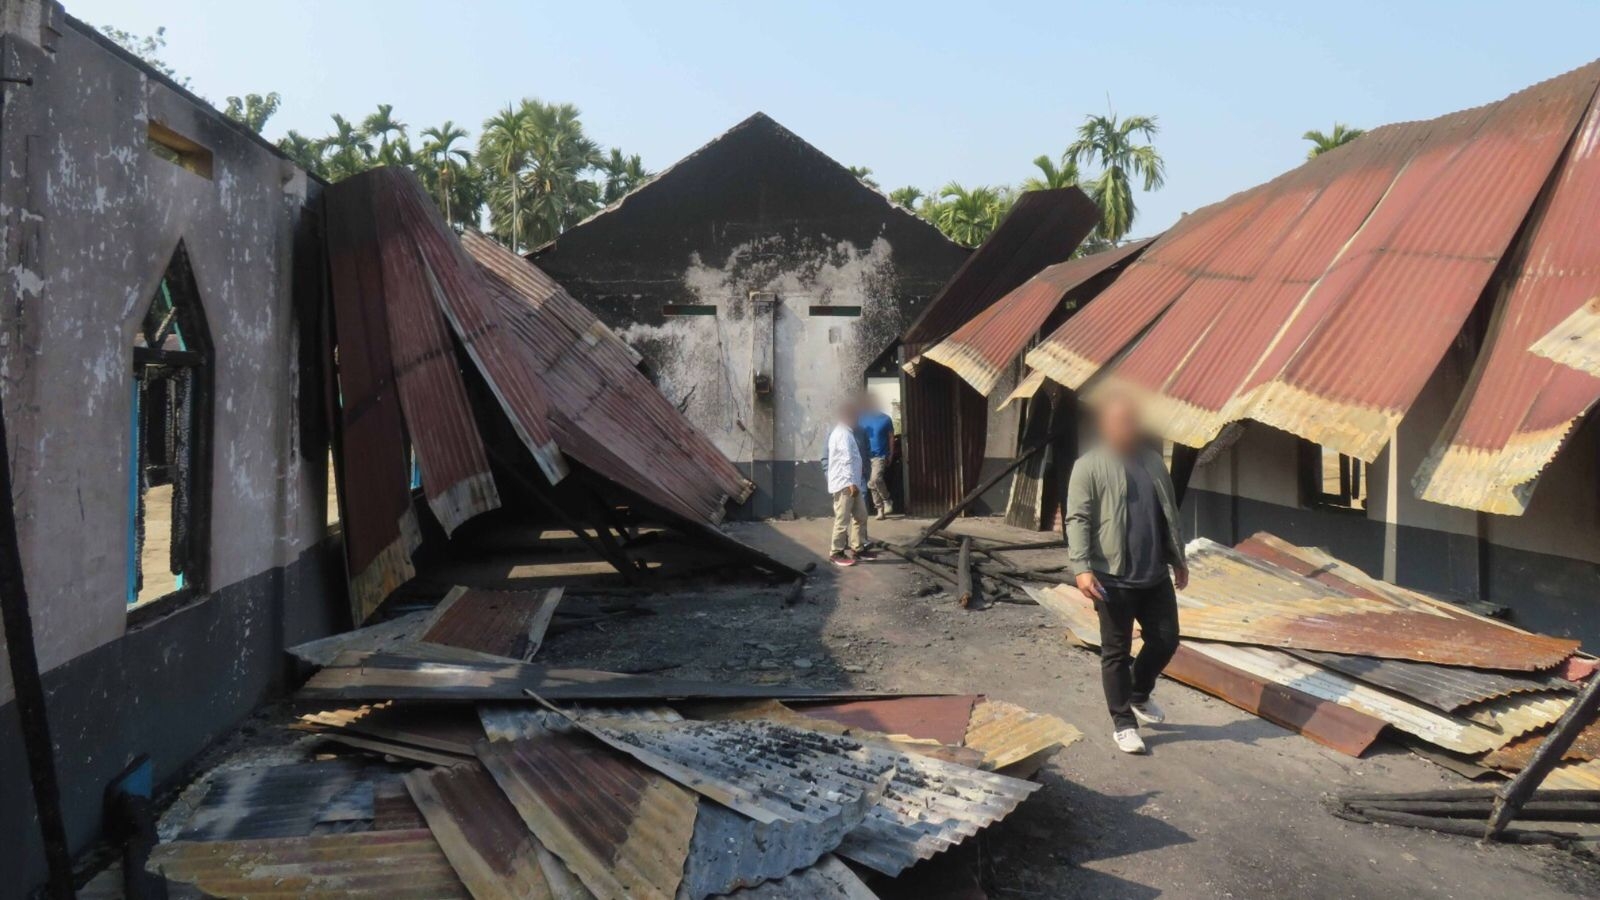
{"x":906,"y":196}
{"x":252,"y":110}
{"x":865,"y":174}
{"x":147,"y":47}
{"x":1340,"y":135}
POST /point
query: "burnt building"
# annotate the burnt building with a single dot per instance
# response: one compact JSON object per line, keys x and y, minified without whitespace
{"x":168,"y":467}
{"x":760,"y":280}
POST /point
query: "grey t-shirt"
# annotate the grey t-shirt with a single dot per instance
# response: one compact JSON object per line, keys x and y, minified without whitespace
{"x":1145,"y":543}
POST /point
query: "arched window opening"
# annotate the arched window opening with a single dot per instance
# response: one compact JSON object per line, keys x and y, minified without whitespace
{"x":170,"y":483}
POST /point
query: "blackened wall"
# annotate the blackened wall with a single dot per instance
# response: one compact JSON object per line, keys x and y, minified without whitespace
{"x":757,"y":210}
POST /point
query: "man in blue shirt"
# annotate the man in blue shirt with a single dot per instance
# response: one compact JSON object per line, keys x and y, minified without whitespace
{"x":879,"y":431}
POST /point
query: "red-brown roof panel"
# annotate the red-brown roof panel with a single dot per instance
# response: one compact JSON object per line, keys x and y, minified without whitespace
{"x":1519,"y":408}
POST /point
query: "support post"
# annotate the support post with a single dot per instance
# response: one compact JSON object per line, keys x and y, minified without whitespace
{"x":1579,"y":716}
{"x":964,"y":574}
{"x":944,"y":521}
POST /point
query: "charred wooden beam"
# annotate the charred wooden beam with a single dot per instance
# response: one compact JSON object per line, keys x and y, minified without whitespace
{"x":950,"y":515}
{"x":1515,"y":794}
{"x":964,"y":574}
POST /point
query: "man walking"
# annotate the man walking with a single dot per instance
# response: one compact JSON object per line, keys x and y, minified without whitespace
{"x":1122,"y":538}
{"x":879,"y":429}
{"x":846,"y":484}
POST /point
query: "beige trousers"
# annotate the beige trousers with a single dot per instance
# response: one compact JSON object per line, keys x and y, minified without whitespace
{"x":879,"y":487}
{"x":849,"y":516}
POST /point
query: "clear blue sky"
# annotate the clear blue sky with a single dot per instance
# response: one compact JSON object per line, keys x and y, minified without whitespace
{"x":921,"y":92}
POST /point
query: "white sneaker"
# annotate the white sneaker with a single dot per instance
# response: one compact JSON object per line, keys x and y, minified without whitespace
{"x":1148,"y":712}
{"x":1128,"y":740}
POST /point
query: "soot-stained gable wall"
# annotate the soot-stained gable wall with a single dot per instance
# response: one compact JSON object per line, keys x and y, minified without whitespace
{"x":757,"y":210}
{"x":91,"y":218}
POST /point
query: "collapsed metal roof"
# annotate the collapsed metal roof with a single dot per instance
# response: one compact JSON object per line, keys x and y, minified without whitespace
{"x":981,"y":350}
{"x":1322,"y":301}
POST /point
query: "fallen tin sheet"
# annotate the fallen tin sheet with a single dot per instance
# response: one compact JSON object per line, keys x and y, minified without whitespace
{"x":1447,"y":688}
{"x":1573,"y":776}
{"x":929,"y":806}
{"x":393,"y":809}
{"x":493,"y":852}
{"x":500,"y":623}
{"x":829,"y":879}
{"x":1236,"y":598}
{"x":942,"y":719}
{"x":1008,"y":735}
{"x":623,"y":830}
{"x":414,"y":675}
{"x":292,"y":800}
{"x":384,"y":865}
{"x":441,"y":728}
{"x":1452,"y":732}
{"x":772,"y":710}
{"x":1514,"y":757}
{"x":1517,"y":715}
{"x":1325,"y":721}
{"x":394,"y":632}
{"x":1575,"y":341}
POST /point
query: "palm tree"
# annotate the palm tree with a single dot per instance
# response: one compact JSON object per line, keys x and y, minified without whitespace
{"x":559,"y":155}
{"x":446,"y":161}
{"x":380,"y":125}
{"x":305,"y":152}
{"x":1110,"y":143}
{"x":969,"y":216}
{"x":1340,"y":135}
{"x":1054,"y":175}
{"x":504,"y":148}
{"x":906,"y":196}
{"x":623,"y":174}
{"x":865,"y":174}
{"x":347,"y":151}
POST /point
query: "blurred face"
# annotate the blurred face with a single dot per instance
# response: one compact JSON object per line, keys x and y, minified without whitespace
{"x":1119,"y":424}
{"x":847,"y":413}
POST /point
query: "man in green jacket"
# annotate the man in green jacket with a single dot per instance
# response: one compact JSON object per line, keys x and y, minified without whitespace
{"x":1122,"y":538}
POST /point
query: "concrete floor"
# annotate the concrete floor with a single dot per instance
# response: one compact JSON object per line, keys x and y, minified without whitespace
{"x":1226,"y":804}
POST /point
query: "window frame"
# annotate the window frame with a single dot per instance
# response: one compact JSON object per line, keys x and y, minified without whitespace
{"x":1352,"y":481}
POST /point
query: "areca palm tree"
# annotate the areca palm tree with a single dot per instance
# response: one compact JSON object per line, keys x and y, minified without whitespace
{"x":1340,"y":135}
{"x":380,"y":125}
{"x":504,"y":148}
{"x":347,"y":151}
{"x":447,"y":161}
{"x":1052,"y":175}
{"x":969,"y":216}
{"x":623,"y":174}
{"x":306,"y":152}
{"x":1111,"y":143}
{"x":907,"y":196}
{"x":559,"y":156}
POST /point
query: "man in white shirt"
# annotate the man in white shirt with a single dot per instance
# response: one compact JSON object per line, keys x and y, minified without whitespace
{"x":847,"y":485}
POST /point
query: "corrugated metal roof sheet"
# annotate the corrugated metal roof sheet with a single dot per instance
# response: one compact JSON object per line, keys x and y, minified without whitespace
{"x":489,"y":846}
{"x":982,"y":350}
{"x":1575,"y":341}
{"x":1237,"y":598}
{"x":500,"y":623}
{"x":608,"y":416}
{"x":1007,"y":734}
{"x":1519,"y":408}
{"x":943,"y":719}
{"x":1447,"y":688}
{"x":291,"y":800}
{"x":1517,"y":715}
{"x":380,"y":528}
{"x":1516,"y":755}
{"x":1321,"y":302}
{"x":623,"y":830}
{"x":929,"y":805}
{"x":1042,"y":228}
{"x":384,"y":865}
{"x":1573,"y":776}
{"x":829,"y":879}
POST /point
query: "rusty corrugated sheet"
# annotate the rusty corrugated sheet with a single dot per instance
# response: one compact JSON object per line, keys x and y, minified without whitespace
{"x":982,"y":350}
{"x":1517,"y":715}
{"x":292,"y":800}
{"x":384,"y":865}
{"x":1513,"y":757}
{"x":463,"y":296}
{"x":1237,"y":598}
{"x":1443,"y":687}
{"x":1042,"y":228}
{"x":1321,"y":302}
{"x":946,"y":423}
{"x":489,"y":846}
{"x":1007,"y":734}
{"x":942,"y":719}
{"x":438,"y":727}
{"x":380,"y":528}
{"x":1573,"y":776}
{"x":929,"y":806}
{"x":500,"y":623}
{"x":1519,"y":408}
{"x":1338,"y":727}
{"x":623,"y":830}
{"x":1575,"y":340}
{"x":607,"y":414}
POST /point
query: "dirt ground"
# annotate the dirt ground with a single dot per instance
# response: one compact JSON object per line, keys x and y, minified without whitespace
{"x":1225,"y":805}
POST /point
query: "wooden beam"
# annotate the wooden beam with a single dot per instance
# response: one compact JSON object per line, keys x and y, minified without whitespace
{"x":964,"y":574}
{"x":950,"y":515}
{"x":1579,"y":716}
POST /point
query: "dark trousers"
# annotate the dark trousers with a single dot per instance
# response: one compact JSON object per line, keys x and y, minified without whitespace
{"x":1127,"y":680}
